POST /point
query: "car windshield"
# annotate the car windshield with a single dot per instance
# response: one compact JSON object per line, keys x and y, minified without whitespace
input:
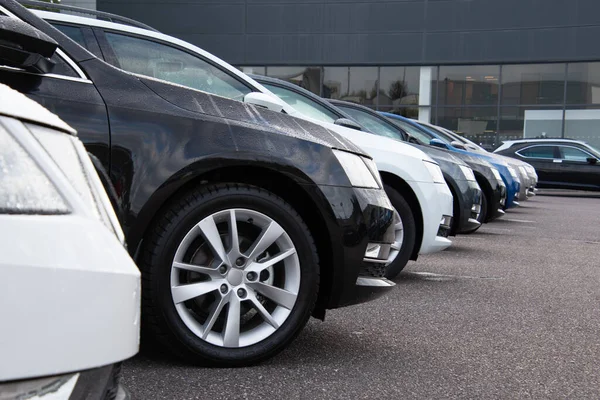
{"x":302,"y":104}
{"x":421,"y":136}
{"x":443,"y":136}
{"x":372,"y":123}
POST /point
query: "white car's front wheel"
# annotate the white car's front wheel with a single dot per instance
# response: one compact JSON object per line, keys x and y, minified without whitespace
{"x":405,"y":231}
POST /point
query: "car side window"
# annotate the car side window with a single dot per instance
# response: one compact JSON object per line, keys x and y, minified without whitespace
{"x":373,"y":124}
{"x":302,"y":104}
{"x":73,"y":32}
{"x":573,"y":154}
{"x":61,"y":67}
{"x":157,"y":60}
{"x":542,"y":152}
{"x":412,"y":131}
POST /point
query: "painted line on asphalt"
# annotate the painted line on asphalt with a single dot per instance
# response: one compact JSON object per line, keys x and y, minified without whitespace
{"x":519,"y":220}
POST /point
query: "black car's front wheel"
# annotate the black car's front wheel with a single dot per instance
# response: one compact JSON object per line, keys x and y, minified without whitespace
{"x":231,"y":275}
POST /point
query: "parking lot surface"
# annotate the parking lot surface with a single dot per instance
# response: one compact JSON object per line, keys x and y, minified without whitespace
{"x":512,"y":311}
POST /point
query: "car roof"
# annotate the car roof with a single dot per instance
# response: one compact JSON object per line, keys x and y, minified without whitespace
{"x":506,"y":144}
{"x":17,"y":105}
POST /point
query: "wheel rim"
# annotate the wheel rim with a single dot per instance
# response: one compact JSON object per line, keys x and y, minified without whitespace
{"x":235,"y":278}
{"x":398,"y":239}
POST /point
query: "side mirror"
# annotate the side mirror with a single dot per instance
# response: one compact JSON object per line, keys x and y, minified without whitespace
{"x":348,"y":123}
{"x":264,"y":101}
{"x":458,"y":145}
{"x":438,"y":143}
{"x":592,"y":160}
{"x":23,"y":46}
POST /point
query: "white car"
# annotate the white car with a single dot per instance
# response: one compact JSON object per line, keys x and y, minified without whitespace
{"x":413,"y":174}
{"x":69,"y":291}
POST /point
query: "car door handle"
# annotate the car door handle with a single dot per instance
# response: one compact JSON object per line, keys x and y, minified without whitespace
{"x":557,"y":161}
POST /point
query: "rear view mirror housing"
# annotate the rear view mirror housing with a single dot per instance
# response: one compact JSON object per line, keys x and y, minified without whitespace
{"x":438,"y":143}
{"x":264,"y":101}
{"x":592,"y":160}
{"x":25,"y":47}
{"x":348,"y":123}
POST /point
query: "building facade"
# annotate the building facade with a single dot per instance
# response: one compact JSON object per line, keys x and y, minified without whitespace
{"x":488,"y":69}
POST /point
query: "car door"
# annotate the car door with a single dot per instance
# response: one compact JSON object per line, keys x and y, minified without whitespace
{"x":546,"y":161}
{"x":576,"y":170}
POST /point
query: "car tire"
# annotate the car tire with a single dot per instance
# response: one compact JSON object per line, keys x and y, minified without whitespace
{"x":202,"y":328}
{"x":405,"y":239}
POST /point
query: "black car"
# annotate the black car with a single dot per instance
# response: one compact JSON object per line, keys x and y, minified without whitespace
{"x":458,"y":175}
{"x":487,"y":176}
{"x":243,"y":221}
{"x":559,"y":163}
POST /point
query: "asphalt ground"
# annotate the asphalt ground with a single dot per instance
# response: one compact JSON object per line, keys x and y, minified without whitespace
{"x":512,"y":311}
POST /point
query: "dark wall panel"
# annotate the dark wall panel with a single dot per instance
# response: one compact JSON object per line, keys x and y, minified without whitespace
{"x":377,"y":32}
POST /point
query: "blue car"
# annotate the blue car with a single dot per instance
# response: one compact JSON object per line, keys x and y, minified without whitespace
{"x":508,"y":173}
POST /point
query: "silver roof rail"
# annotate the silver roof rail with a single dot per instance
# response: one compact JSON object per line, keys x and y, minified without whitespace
{"x":54,"y":7}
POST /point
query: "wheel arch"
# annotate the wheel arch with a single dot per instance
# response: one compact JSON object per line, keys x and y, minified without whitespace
{"x":285,"y":185}
{"x":411,"y":198}
{"x":487,"y":190}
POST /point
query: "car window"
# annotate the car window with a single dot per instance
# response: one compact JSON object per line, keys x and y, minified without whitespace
{"x":538,"y":152}
{"x":73,"y":33}
{"x":302,"y":104}
{"x":61,"y":67}
{"x":372,"y":123}
{"x":573,"y":154}
{"x":412,"y":131}
{"x":157,"y":60}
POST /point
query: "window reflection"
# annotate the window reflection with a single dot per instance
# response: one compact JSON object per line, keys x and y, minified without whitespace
{"x":355,"y":84}
{"x":308,"y":78}
{"x":468,"y":85}
{"x":583,"y":83}
{"x":533,"y":84}
{"x":399,"y":86}
{"x":530,"y":122}
{"x":478,"y":124}
{"x":583,"y":123}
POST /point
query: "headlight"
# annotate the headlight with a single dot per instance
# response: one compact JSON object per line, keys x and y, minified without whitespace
{"x":435,"y":171}
{"x":361,"y":171}
{"x":497,"y":175}
{"x":24,"y":187}
{"x":513,"y":173}
{"x":468,"y":173}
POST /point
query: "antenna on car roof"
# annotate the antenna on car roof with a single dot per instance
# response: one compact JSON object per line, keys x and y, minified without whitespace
{"x":54,"y":7}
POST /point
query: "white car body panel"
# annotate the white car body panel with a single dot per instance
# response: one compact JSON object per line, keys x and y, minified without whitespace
{"x":69,"y":291}
{"x":391,"y":156}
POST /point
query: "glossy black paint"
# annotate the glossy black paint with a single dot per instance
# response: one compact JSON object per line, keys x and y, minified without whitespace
{"x":557,"y":171}
{"x":157,"y":140}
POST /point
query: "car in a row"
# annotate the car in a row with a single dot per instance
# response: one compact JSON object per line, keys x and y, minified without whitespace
{"x":248,"y":203}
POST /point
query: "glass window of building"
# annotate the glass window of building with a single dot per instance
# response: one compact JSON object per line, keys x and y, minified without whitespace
{"x":399,"y":86}
{"x":530,"y":122}
{"x":583,"y":123}
{"x":308,"y":78}
{"x":478,"y":124}
{"x":355,"y":84}
{"x":468,"y":85}
{"x":533,"y":84}
{"x":583,"y":83}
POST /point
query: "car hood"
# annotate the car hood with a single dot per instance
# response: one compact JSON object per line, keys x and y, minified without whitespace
{"x":276,"y":122}
{"x":440,"y":155}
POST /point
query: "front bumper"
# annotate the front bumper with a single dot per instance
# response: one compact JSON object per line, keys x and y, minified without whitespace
{"x":360,"y":234}
{"x":469,"y":206}
{"x":75,"y":281}
{"x":436,"y":206}
{"x":101,"y":383}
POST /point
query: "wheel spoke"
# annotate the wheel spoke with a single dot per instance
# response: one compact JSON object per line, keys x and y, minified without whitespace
{"x":214,"y":314}
{"x":231,"y":334}
{"x":235,"y":240}
{"x":212,"y":235}
{"x":279,"y":296}
{"x":396,"y":246}
{"x":266,"y":239}
{"x":263,"y":264}
{"x":186,"y":292}
{"x":196,"y":268}
{"x":264,"y":313}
